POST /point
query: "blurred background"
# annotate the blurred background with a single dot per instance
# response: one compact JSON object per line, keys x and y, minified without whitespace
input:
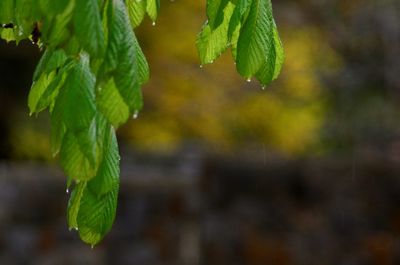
{"x":217,"y":171}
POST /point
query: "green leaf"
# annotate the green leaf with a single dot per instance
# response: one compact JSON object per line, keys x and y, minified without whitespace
{"x":212,"y":42}
{"x":79,"y":154}
{"x":74,"y":204}
{"x":88,"y":26}
{"x":112,"y":104}
{"x":74,"y":158}
{"x":152,"y":8}
{"x":56,"y":30}
{"x":37,"y":90}
{"x":51,"y":8}
{"x":136,"y":11}
{"x":238,"y":18}
{"x":58,"y":128}
{"x":96,"y":214}
{"x":50,"y":61}
{"x":279,"y":53}
{"x":107,"y":178}
{"x":6,"y":11}
{"x":98,"y":203}
{"x":78,"y":98}
{"x":124,"y":58}
{"x":256,"y":46}
{"x":215,"y":12}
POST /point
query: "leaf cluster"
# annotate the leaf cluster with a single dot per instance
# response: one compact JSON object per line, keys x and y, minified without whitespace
{"x":91,"y":72}
{"x":249,"y":29}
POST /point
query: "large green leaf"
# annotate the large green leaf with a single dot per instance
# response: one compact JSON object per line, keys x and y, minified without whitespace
{"x":77,"y":102}
{"x":124,"y":58}
{"x":96,"y":214}
{"x":93,"y":205}
{"x":256,"y":55}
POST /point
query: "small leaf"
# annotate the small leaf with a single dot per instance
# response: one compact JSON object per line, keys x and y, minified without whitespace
{"x":152,"y":8}
{"x":38,"y":89}
{"x":74,"y":204}
{"x":136,"y":11}
{"x":50,"y":61}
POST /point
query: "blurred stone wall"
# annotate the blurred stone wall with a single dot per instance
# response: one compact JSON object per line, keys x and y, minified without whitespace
{"x":192,"y":209}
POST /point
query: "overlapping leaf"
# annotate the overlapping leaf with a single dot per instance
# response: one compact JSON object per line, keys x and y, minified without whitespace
{"x":120,"y":96}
